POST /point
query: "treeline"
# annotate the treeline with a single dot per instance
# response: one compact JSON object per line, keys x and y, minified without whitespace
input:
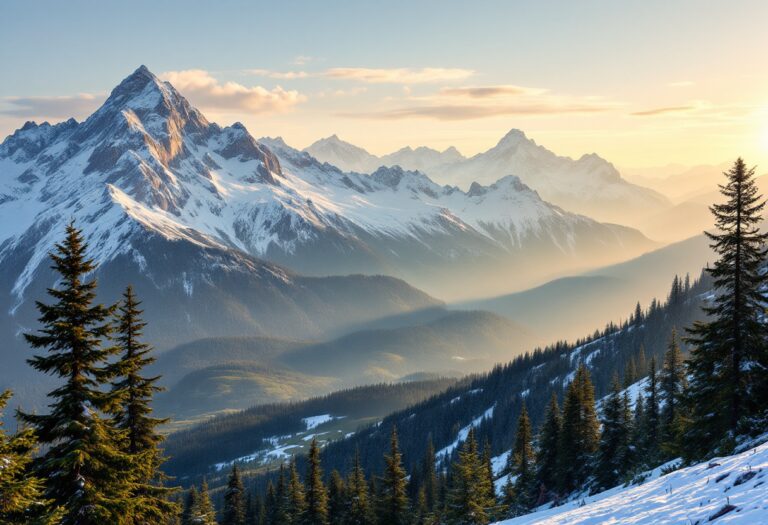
{"x":244,"y":432}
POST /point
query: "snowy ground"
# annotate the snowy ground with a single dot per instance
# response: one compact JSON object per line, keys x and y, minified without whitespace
{"x":731,"y":490}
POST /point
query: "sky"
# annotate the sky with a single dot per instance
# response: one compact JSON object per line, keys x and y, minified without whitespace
{"x":643,"y":84}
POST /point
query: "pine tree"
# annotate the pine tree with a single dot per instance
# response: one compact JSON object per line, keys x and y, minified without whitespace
{"x":297,"y":501}
{"x":317,"y":496}
{"x":20,"y":491}
{"x":728,"y":364}
{"x":630,"y":372}
{"x":132,"y":395}
{"x":547,"y":467}
{"x":84,"y":472}
{"x":191,"y":507}
{"x":252,"y":505}
{"x":429,"y":476}
{"x":614,"y":440}
{"x":580,"y":431}
{"x":234,"y":500}
{"x":673,"y":383}
{"x":523,"y":467}
{"x":336,"y":499}
{"x":638,"y":428}
{"x":359,"y":509}
{"x":393,"y":500}
{"x":281,"y":513}
{"x":468,"y":500}
{"x":206,"y":514}
{"x":271,"y":504}
{"x":652,"y":416}
{"x":642,"y":364}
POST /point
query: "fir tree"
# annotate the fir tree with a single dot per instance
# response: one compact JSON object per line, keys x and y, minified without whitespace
{"x":359,"y":509}
{"x":132,"y":395}
{"x":547,"y":467}
{"x":336,"y":499}
{"x":429,"y":476}
{"x":728,"y":364}
{"x":317,"y":496}
{"x":652,"y":416}
{"x":614,"y":440}
{"x":523,"y":467}
{"x":638,"y":428}
{"x":205,"y":513}
{"x":297,"y":501}
{"x":234,"y":500}
{"x":20,"y":491}
{"x":630,"y":372}
{"x":281,"y":513}
{"x":84,"y":472}
{"x":271,"y":504}
{"x":468,"y":499}
{"x":580,"y":431}
{"x":673,"y":384}
{"x":191,"y":507}
{"x":393,"y":500}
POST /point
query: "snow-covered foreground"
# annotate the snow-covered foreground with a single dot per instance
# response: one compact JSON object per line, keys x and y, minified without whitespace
{"x":733,"y":489}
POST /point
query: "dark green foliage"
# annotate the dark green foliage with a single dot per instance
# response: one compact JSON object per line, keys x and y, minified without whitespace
{"x":393,"y":505}
{"x":336,"y":499}
{"x":234,"y":500}
{"x":358,"y":506}
{"x":84,"y":473}
{"x":523,"y":468}
{"x":469,"y":500}
{"x":652,"y":415}
{"x":316,"y":495}
{"x":728,"y":365}
{"x":673,"y":384}
{"x":296,"y":498}
{"x":580,"y":432}
{"x":548,"y":453}
{"x":613,"y":458}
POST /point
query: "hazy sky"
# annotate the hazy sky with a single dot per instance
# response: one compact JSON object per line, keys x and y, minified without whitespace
{"x":641,"y":83}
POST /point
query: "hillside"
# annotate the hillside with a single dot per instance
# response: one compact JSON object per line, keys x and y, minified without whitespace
{"x":722,"y":490}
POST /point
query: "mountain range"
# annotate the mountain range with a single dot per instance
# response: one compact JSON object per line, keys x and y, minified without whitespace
{"x":589,"y":185}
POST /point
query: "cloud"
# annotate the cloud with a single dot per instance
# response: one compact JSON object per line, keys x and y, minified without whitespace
{"x":283,"y":75}
{"x":207,"y":92}
{"x":54,"y":108}
{"x":475,"y":102}
{"x":490,"y":91}
{"x":398,"y":75}
{"x":663,"y":111}
{"x":301,"y":60}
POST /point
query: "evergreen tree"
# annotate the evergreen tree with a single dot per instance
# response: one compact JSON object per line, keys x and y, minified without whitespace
{"x":132,"y":395}
{"x":638,"y":427}
{"x":359,"y":508}
{"x":652,"y":417}
{"x":317,"y":496}
{"x":580,"y":431}
{"x":429,"y":476}
{"x":523,"y":467}
{"x":468,"y":500}
{"x":614,"y":440}
{"x":20,"y":491}
{"x":282,"y":510}
{"x":84,"y":473}
{"x":673,"y":384}
{"x":206,"y":514}
{"x":252,"y":505}
{"x":728,"y":364}
{"x":547,"y":467}
{"x":642,"y":364}
{"x":271,"y":504}
{"x":297,"y":501}
{"x":234,"y":500}
{"x":191,"y":507}
{"x":393,"y":500}
{"x":336,"y":499}
{"x":630,"y":372}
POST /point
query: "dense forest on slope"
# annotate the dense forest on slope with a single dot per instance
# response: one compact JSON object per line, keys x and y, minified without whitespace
{"x":498,"y":394}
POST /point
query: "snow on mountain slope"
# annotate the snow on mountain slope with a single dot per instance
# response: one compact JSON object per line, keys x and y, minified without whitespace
{"x":349,"y":157}
{"x":723,"y":490}
{"x":147,"y":161}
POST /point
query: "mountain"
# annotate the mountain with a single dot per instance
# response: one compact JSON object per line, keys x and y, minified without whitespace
{"x":343,"y":155}
{"x":178,"y":207}
{"x":349,"y":157}
{"x":589,"y":185}
{"x":731,"y":488}
{"x":442,"y":239}
{"x":602,"y":294}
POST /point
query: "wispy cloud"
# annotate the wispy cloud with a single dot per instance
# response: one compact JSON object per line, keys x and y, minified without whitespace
{"x":398,"y":75}
{"x":663,"y":111}
{"x":54,"y":108}
{"x":207,"y":92}
{"x":282,"y":75}
{"x":301,"y":60}
{"x":475,"y":102}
